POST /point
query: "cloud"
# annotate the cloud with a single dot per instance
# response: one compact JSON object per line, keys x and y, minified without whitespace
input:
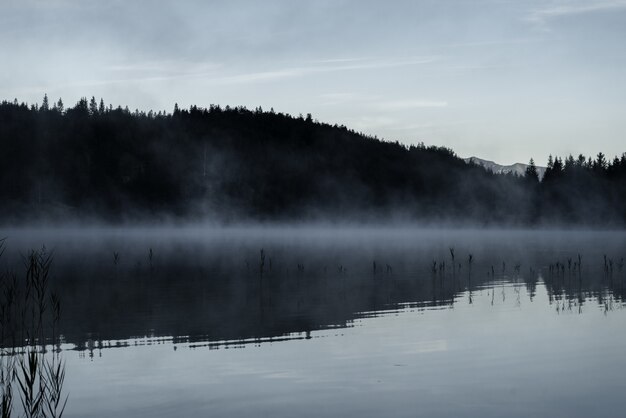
{"x":219,"y":74}
{"x":378,"y":103}
{"x":338,"y":60}
{"x":129,"y":74}
{"x":133,"y":73}
{"x":371,"y":122}
{"x":339,"y":98}
{"x":410,"y":104}
{"x":327,"y":66}
{"x":170,"y":67}
{"x":544,"y":14}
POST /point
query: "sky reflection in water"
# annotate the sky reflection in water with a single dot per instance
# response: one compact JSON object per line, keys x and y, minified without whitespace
{"x":208,"y":335}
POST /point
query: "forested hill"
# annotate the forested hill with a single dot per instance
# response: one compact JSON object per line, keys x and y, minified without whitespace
{"x":93,"y":161}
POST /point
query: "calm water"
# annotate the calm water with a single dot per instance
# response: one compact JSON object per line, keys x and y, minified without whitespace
{"x":204,"y":327}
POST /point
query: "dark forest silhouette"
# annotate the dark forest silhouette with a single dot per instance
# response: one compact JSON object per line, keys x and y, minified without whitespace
{"x":93,"y":161}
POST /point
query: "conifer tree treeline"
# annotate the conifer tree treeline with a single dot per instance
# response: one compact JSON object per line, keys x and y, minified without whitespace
{"x":93,"y":160}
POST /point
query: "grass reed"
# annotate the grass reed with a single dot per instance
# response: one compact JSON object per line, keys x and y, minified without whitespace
{"x":29,"y":313}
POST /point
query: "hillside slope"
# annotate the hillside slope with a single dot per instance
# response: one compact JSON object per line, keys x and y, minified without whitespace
{"x":233,"y":164}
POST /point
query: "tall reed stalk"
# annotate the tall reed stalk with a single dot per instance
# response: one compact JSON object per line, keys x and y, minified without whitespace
{"x":27,"y":369}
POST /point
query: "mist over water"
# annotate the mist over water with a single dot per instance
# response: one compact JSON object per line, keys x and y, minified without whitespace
{"x":348,"y":320}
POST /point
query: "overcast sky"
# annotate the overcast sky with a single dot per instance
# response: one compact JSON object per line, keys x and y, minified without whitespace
{"x":502,"y":80}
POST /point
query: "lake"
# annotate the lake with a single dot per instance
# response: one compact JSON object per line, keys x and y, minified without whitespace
{"x":335,"y":321}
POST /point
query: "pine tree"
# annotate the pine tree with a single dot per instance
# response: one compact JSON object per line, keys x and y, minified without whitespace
{"x":558,"y":165}
{"x":547,"y":176}
{"x":45,"y":106}
{"x":93,"y":106}
{"x":60,"y":107}
{"x":600,"y":163}
{"x":531,"y":173}
{"x":101,"y":108}
{"x":82,"y":105}
{"x":570,"y":162}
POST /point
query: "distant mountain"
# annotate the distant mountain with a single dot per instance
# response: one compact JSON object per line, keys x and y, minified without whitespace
{"x":517,"y":168}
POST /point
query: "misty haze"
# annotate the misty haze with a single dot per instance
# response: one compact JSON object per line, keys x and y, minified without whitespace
{"x":337,"y":209}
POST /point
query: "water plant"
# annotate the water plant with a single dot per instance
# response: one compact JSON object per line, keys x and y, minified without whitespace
{"x":54,"y":371}
{"x":150,"y":257}
{"x":452,"y":257}
{"x":27,"y":368}
{"x":262,"y":262}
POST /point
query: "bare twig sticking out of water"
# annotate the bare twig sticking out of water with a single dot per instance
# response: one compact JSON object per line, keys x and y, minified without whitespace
{"x":470,"y":259}
{"x":116,"y":260}
{"x":517,"y":268}
{"x":262,"y":262}
{"x":55,"y":302}
{"x":150,"y":257}
{"x":569,"y":265}
{"x":453,"y":264}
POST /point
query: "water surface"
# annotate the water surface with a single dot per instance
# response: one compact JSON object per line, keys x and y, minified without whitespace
{"x":347,"y":322}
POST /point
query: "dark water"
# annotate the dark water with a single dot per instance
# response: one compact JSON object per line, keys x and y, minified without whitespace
{"x":193,"y":322}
